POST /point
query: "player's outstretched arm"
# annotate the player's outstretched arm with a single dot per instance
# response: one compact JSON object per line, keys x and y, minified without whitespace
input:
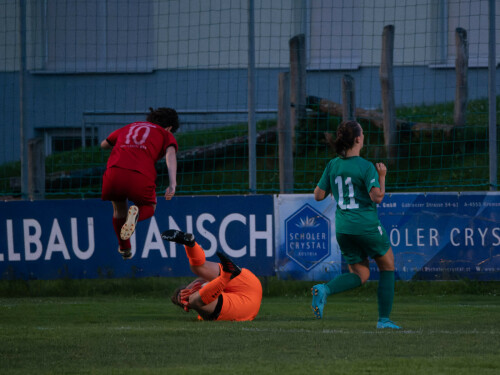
{"x":171,"y":160}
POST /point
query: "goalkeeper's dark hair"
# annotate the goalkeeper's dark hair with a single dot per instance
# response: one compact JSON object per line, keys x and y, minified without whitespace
{"x":347,"y":132}
{"x":164,"y":117}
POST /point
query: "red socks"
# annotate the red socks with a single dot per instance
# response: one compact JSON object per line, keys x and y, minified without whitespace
{"x":145,"y":212}
{"x":117,"y":225}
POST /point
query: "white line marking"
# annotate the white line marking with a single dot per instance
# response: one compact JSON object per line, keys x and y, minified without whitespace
{"x":377,"y":331}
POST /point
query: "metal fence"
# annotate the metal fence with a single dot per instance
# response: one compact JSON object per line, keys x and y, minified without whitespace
{"x":70,"y":70}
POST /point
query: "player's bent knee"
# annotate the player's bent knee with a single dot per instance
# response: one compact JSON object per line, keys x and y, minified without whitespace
{"x":197,"y":270}
{"x":363,"y":275}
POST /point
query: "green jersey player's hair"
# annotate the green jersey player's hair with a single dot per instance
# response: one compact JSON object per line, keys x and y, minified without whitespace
{"x":346,"y":134}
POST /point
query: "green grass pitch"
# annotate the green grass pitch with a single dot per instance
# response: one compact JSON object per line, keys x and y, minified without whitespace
{"x":145,"y":334}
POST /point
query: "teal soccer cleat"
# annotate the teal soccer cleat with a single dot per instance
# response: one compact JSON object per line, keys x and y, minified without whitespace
{"x":319,"y":300}
{"x":386,"y":323}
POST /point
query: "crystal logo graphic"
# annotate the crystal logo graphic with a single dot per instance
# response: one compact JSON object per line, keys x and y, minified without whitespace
{"x":307,"y":237}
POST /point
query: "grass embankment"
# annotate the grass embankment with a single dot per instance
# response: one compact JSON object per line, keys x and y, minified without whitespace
{"x":430,"y":160}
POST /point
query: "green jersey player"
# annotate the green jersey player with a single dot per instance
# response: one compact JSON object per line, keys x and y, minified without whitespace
{"x":357,"y":186}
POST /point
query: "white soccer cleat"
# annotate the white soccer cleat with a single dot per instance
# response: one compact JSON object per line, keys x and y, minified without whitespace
{"x":129,"y":227}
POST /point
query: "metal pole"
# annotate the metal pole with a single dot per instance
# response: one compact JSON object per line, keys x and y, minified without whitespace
{"x":84,"y":133}
{"x":252,"y":160}
{"x":22,"y":103}
{"x":443,"y":31}
{"x":492,"y":116}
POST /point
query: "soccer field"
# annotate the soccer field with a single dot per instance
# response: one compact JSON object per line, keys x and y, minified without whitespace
{"x":443,"y":334}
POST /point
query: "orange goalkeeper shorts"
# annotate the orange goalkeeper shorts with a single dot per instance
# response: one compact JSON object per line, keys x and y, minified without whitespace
{"x":241,"y":297}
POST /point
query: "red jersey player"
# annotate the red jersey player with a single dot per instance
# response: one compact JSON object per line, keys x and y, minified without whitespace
{"x":131,"y":174}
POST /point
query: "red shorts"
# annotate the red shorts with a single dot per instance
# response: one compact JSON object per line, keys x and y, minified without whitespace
{"x":242,"y":297}
{"x":119,"y":184}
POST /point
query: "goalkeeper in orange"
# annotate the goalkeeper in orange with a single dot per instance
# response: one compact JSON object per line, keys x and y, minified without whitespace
{"x":223,"y":290}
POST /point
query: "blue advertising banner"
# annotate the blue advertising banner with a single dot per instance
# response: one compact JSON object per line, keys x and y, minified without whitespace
{"x":434,"y":236}
{"x":444,"y":236}
{"x":55,"y":239}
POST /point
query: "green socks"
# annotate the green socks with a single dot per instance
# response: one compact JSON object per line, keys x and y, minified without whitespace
{"x":385,"y":294}
{"x":342,"y":283}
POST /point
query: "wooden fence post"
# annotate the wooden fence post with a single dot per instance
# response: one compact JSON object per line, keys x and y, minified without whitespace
{"x":36,"y":169}
{"x":387,"y":87}
{"x":348,"y":99}
{"x":297,"y":46}
{"x":461,"y":69}
{"x":285,"y":134}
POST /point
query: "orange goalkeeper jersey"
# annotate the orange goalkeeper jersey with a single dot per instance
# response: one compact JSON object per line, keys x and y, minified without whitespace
{"x":241,"y":298}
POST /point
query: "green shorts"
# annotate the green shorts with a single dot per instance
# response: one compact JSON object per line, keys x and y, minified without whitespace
{"x":356,"y":248}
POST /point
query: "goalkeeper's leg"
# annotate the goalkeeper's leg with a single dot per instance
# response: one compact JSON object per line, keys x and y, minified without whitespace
{"x":195,"y":254}
{"x":208,"y":300}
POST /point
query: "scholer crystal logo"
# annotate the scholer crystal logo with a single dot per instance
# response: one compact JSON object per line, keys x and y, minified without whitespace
{"x":307,"y":223}
{"x":307,"y":237}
